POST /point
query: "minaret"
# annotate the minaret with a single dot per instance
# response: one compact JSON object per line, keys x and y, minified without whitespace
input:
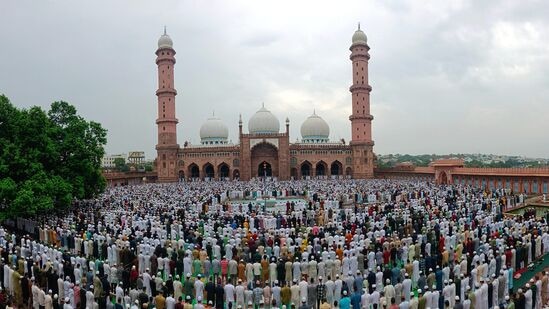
{"x":361,"y":120}
{"x":166,"y":146}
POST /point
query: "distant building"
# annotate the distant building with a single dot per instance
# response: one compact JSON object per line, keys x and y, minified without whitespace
{"x":108,"y":160}
{"x":453,"y":171}
{"x":136,"y":157}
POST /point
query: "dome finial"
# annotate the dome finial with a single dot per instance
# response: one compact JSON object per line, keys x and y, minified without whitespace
{"x":165,"y":41}
{"x":359,"y":36}
{"x":165,"y":28}
{"x":263,"y":104}
{"x":314,"y":111}
{"x":213,"y":113}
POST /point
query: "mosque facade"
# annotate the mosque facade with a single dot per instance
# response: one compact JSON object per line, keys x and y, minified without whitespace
{"x":264,"y":149}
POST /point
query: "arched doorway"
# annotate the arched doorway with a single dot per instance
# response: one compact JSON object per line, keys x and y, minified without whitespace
{"x":264,"y":153}
{"x":223,"y":171}
{"x":306,"y":169}
{"x":293,"y":172}
{"x":443,"y":178}
{"x":349,"y":172}
{"x":236,"y":174}
{"x":321,"y":168}
{"x":336,"y":168}
{"x":209,"y":171}
{"x":181,"y":176}
{"x":194,"y":171}
{"x":264,"y":169}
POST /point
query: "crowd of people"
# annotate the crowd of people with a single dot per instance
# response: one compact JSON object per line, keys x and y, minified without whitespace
{"x":334,"y":244}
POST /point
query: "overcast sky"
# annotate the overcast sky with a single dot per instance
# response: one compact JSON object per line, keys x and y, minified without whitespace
{"x":447,"y":76}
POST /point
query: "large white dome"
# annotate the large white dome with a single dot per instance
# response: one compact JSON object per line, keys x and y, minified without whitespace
{"x":315,"y":130}
{"x":263,"y":122}
{"x":214,"y":131}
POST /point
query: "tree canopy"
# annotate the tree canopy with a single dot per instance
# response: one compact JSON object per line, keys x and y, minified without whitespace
{"x":47,"y":159}
{"x":120,"y":165}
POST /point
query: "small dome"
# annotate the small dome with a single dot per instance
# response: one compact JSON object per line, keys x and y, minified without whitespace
{"x":263,"y":122}
{"x":359,"y":37}
{"x":315,"y":130}
{"x":214,"y":131}
{"x":165,"y":41}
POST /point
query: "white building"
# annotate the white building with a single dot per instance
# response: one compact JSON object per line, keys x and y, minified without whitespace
{"x":108,"y":160}
{"x":136,"y":157}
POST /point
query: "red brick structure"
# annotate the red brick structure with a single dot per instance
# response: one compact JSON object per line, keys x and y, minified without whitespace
{"x":264,"y":150}
{"x":361,"y":119}
{"x":452,"y":171}
{"x":117,"y":179}
{"x":166,"y":122}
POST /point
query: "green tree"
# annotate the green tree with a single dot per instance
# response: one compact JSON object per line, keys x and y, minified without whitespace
{"x":47,"y":159}
{"x":148,"y":167}
{"x":120,"y":165}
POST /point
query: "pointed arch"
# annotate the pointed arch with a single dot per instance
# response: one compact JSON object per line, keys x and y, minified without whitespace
{"x":349,"y":172}
{"x":264,"y":169}
{"x":321,"y":168}
{"x":443,"y":178}
{"x":261,"y":153}
{"x":208,"y":171}
{"x":223,"y":171}
{"x":306,"y":168}
{"x":336,"y":168}
{"x":194,"y":171}
{"x":293,"y":173}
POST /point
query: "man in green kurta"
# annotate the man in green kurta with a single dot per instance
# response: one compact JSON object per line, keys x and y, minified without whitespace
{"x":197,"y":267}
{"x":17,"y":292}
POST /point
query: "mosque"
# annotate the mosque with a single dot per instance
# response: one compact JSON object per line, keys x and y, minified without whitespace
{"x":264,"y":150}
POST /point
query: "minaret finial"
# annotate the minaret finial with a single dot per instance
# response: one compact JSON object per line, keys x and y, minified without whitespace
{"x":358,"y":25}
{"x":314,"y":111}
{"x":165,"y":29}
{"x":213,"y":113}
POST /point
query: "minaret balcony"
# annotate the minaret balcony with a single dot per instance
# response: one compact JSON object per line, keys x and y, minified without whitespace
{"x":167,"y":120}
{"x":361,"y":117}
{"x":362,"y":87}
{"x":358,"y":55}
{"x":164,"y":91}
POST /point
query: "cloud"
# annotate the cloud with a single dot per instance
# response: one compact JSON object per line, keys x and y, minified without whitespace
{"x":447,"y":76}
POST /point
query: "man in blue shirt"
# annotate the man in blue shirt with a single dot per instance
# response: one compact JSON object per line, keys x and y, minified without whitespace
{"x":355,"y":299}
{"x":345,"y":302}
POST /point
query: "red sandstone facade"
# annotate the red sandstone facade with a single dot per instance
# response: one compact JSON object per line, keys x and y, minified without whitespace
{"x":260,"y":154}
{"x":166,"y":122}
{"x":361,"y":119}
{"x":519,"y":180}
{"x":271,"y":154}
